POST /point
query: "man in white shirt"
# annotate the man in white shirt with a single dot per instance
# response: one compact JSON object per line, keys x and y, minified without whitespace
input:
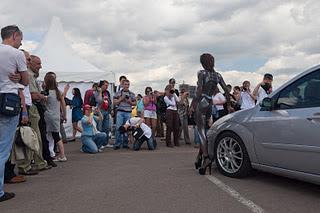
{"x":264,"y":88}
{"x":247,"y":99}
{"x":12,"y":61}
{"x":137,"y":122}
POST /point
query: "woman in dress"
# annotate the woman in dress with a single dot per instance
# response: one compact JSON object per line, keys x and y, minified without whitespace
{"x":54,"y":103}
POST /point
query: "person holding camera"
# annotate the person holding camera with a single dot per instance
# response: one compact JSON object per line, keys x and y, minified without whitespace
{"x":247,"y":99}
{"x":183,"y":108}
{"x":264,"y":88}
{"x":125,"y":99}
{"x":150,"y":110}
{"x":172,"y":117}
{"x":92,"y":140}
{"x":141,"y":133}
{"x":104,"y":103}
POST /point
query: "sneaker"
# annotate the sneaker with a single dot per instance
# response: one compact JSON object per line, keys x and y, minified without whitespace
{"x":81,"y":150}
{"x":60,"y":159}
{"x":100,"y":150}
{"x":7,"y":196}
{"x":109,"y":145}
{"x":51,"y":163}
{"x":102,"y":147}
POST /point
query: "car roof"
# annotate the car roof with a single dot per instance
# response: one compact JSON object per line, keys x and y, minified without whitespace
{"x":310,"y":70}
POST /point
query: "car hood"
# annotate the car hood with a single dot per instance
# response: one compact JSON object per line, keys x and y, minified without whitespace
{"x":241,"y":116}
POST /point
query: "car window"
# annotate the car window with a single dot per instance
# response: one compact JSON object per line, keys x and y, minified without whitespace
{"x":303,"y":93}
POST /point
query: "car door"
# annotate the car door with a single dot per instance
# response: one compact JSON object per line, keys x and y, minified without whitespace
{"x":289,"y":136}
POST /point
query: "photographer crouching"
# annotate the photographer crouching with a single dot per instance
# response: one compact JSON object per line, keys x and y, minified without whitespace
{"x":140,"y":131}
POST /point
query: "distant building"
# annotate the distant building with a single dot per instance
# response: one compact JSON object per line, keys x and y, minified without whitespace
{"x":189,"y":88}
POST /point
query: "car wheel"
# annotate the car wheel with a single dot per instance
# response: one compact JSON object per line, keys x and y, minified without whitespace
{"x":231,"y":156}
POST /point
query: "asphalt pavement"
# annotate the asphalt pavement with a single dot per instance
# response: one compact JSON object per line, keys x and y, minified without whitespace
{"x":163,"y":180}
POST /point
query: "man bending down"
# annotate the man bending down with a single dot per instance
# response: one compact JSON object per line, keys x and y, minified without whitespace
{"x":137,"y":122}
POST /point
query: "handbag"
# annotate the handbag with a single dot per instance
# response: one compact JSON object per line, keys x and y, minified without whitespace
{"x":191,"y":120}
{"x":10,"y":104}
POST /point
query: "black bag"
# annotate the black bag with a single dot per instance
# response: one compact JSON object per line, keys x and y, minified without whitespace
{"x":137,"y":133}
{"x":10,"y":104}
{"x":191,"y":120}
{"x":92,"y":101}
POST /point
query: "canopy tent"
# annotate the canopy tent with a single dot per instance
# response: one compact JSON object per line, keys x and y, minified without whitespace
{"x":57,"y":56}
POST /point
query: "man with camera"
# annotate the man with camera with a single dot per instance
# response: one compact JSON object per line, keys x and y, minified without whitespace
{"x":104,"y":103}
{"x":140,"y":131}
{"x":264,"y":88}
{"x":247,"y":99}
{"x":125,"y":99}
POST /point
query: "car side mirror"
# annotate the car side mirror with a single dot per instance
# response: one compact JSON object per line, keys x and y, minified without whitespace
{"x":266,"y":104}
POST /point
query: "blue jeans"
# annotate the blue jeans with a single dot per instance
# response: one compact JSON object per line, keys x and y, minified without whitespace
{"x":121,"y":139}
{"x":92,"y":144}
{"x":8,"y":126}
{"x":196,"y":136}
{"x":104,"y":125}
{"x":137,"y":145}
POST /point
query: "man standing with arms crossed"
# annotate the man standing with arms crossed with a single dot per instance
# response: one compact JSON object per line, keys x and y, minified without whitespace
{"x":12,"y":61}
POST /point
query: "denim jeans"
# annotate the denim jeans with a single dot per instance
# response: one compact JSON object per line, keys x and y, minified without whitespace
{"x":196,"y":136}
{"x":137,"y":145}
{"x":92,"y":144}
{"x":8,"y":126}
{"x":104,"y":125}
{"x":121,"y":139}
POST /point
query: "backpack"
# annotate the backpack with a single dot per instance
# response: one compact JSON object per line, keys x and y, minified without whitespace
{"x":92,"y":101}
{"x":161,"y":105}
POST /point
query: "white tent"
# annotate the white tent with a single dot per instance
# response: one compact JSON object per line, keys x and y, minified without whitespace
{"x":57,"y":56}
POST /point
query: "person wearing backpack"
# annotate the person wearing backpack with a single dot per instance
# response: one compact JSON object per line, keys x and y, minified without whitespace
{"x":89,"y":98}
{"x":161,"y":113}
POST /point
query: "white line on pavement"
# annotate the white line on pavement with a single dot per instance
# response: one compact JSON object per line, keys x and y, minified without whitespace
{"x":233,"y":193}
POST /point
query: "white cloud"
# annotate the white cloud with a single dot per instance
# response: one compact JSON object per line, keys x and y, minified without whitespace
{"x":151,"y":41}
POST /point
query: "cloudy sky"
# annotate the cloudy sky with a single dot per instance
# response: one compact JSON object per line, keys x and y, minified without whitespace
{"x":152,"y":40}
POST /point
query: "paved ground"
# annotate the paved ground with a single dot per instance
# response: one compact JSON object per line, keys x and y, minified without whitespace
{"x":159,"y":181}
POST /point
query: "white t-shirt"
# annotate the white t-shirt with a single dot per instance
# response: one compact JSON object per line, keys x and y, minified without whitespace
{"x":247,"y":101}
{"x":11,"y":60}
{"x":261,"y":95}
{"x":172,"y":102}
{"x":146,"y":129}
{"x":219,"y":97}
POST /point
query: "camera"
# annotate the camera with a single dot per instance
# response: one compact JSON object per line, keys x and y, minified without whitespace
{"x":45,"y":92}
{"x":172,"y":91}
{"x":127,"y":97}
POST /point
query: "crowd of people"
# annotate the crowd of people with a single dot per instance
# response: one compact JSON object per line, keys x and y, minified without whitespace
{"x":32,"y":114}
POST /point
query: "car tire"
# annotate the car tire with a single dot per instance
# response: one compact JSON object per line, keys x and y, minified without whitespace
{"x":231,"y":156}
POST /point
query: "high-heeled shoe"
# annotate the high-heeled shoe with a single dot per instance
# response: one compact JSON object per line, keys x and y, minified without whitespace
{"x":207,"y":163}
{"x":198,"y":162}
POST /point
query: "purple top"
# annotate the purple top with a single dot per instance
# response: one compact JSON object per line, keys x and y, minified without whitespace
{"x":151,"y":105}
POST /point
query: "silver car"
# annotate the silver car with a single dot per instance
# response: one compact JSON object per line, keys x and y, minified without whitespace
{"x":281,"y":135}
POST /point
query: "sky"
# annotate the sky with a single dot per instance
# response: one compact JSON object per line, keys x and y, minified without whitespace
{"x":151,"y":41}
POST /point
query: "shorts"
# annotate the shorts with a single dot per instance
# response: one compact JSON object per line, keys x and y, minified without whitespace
{"x":56,"y":137}
{"x":150,"y":114}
